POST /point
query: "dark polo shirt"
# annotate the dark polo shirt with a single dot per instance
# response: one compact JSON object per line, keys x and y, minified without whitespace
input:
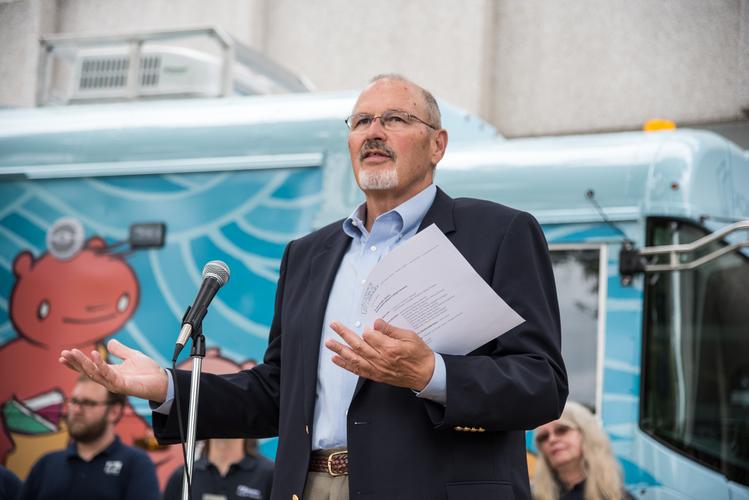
{"x":578,"y":493}
{"x":249,"y":479}
{"x":118,"y":472}
{"x":10,"y":485}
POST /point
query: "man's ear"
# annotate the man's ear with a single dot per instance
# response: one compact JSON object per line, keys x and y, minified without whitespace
{"x":439,"y":145}
{"x":117,"y":411}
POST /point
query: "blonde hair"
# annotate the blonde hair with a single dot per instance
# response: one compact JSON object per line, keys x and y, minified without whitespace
{"x":603,"y":477}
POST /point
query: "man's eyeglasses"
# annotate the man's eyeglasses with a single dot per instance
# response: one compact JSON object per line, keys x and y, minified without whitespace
{"x":392,"y":119}
{"x":558,"y":431}
{"x":86,"y":404}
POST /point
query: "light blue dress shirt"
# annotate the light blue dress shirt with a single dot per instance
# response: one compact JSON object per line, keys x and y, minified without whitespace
{"x":335,"y":386}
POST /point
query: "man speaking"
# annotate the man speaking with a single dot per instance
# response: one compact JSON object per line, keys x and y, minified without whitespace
{"x":370,"y":411}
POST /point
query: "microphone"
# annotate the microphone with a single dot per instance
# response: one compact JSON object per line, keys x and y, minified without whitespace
{"x":215,"y":275}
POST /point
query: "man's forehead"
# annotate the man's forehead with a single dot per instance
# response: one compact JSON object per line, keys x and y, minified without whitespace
{"x":389,"y":94}
{"x":89,"y":388}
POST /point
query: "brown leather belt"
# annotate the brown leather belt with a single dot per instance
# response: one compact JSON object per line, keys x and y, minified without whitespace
{"x":333,"y":462}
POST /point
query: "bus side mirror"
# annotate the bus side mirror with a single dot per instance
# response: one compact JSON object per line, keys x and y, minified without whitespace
{"x":631,"y":262}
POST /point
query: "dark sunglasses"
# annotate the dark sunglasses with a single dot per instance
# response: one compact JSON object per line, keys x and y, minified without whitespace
{"x":559,"y":431}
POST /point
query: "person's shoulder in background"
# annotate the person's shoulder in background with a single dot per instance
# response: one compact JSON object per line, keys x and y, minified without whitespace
{"x":10,"y":485}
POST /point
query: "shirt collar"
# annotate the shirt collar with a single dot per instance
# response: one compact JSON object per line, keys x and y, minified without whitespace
{"x":246,"y":463}
{"x":201,"y":463}
{"x":410,"y":213}
{"x":72,"y":450}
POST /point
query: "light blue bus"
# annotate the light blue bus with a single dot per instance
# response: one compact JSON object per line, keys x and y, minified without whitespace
{"x":656,"y":338}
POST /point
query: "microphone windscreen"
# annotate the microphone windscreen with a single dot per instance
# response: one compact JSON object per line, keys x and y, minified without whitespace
{"x":218,"y":270}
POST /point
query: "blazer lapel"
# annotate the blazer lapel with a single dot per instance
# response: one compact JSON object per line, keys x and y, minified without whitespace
{"x":323,"y":270}
{"x":441,"y":214}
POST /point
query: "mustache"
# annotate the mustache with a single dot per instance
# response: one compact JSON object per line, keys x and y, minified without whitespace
{"x":375,"y":146}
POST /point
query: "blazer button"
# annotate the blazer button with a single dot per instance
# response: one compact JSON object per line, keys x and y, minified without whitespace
{"x":458,"y":428}
{"x":294,"y":497}
{"x":481,"y":429}
{"x":473,"y":429}
{"x":306,"y":429}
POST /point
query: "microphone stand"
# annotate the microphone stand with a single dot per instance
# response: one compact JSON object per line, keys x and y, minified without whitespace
{"x":197,"y":353}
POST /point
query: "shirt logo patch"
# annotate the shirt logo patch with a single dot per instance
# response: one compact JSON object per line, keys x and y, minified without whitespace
{"x":247,"y":492}
{"x":112,"y":467}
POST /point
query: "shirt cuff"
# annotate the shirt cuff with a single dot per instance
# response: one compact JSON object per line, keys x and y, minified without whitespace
{"x":436,"y":389}
{"x":164,"y":407}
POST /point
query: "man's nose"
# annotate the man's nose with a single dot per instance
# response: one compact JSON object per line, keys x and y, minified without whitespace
{"x":375,"y":129}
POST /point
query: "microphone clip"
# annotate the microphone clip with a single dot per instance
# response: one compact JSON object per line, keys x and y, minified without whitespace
{"x":190,"y":330}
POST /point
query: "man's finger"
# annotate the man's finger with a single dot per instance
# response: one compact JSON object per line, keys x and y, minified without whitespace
{"x":391,"y":331}
{"x":357,"y":344}
{"x":359,"y":369}
{"x":348,"y":359}
{"x":343,"y":351}
{"x":109,"y":378}
{"x":346,"y":334}
{"x":378,"y":340}
{"x":86,"y":365}
{"x":334,"y":346}
{"x":69,"y":363}
{"x":344,"y":364}
{"x":117,"y":348}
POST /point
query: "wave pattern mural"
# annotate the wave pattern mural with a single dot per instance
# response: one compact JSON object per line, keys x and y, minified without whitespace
{"x":244,"y":218}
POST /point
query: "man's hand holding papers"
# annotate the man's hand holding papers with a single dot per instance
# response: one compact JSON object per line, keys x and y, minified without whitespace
{"x":385,"y":354}
{"x":421,"y":298}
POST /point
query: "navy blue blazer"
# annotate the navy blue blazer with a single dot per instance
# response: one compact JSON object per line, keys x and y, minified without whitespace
{"x":401,"y":446}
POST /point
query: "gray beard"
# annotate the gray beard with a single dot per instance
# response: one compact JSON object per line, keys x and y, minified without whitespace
{"x":378,"y":180}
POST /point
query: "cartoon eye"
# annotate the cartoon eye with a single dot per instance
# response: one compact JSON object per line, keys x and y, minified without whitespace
{"x":43,"y":310}
{"x":123,"y":302}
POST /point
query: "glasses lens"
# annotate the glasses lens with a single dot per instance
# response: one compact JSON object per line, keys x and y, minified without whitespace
{"x":393,"y":119}
{"x":85,"y":403}
{"x":542,"y":437}
{"x":359,"y":121}
{"x":561,"y":430}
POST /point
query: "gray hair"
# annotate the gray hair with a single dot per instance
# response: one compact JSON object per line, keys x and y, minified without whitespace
{"x":434,"y":117}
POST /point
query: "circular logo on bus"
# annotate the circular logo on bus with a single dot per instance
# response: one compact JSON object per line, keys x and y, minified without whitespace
{"x":65,"y":238}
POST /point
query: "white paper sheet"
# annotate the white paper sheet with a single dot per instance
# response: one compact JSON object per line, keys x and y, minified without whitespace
{"x":427,"y":286}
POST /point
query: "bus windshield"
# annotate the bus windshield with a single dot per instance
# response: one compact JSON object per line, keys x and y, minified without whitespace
{"x":695,"y":381}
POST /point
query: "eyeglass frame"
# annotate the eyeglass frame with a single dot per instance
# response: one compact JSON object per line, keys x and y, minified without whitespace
{"x":382,"y":124}
{"x":561,"y":429}
{"x":87,"y":404}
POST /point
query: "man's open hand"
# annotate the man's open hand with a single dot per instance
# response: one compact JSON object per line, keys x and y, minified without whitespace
{"x":137,"y":375}
{"x":384,"y":354}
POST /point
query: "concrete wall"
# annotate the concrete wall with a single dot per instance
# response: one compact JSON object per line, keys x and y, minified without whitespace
{"x":244,"y":19}
{"x":531,"y":67}
{"x":342,"y":43}
{"x":582,"y":65}
{"x":21,"y":23}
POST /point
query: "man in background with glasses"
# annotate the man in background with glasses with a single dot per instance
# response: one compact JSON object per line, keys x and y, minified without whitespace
{"x":370,"y":411}
{"x":95,"y":465}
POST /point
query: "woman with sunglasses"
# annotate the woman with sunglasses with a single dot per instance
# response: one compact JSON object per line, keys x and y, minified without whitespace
{"x":576,"y":462}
